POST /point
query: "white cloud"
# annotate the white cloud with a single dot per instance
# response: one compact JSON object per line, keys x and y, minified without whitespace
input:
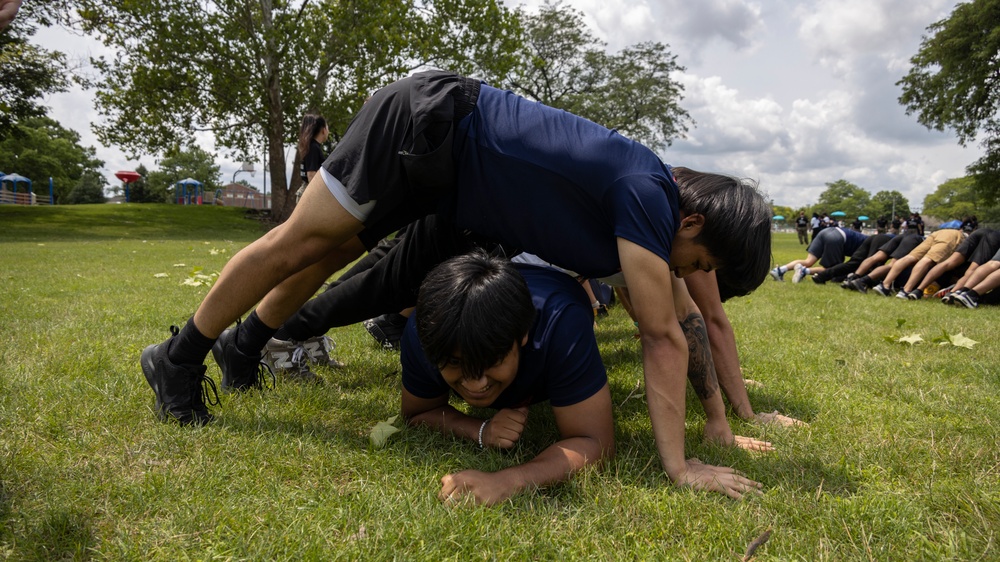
{"x":796,"y":93}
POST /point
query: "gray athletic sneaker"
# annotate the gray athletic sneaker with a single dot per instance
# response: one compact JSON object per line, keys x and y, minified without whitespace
{"x":318,"y":350}
{"x":800,"y":273}
{"x":289,"y":358}
{"x":880,"y":289}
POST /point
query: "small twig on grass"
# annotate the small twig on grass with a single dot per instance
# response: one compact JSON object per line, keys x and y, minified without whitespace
{"x":757,"y":543}
{"x":638,"y":383}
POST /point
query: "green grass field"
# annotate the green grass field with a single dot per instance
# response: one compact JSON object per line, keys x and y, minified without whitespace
{"x":900,"y":461}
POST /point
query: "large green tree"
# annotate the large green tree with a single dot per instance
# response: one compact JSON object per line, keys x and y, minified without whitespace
{"x":955,"y":83}
{"x":564,"y":65}
{"x":90,"y":189}
{"x":886,"y":202}
{"x":181,"y":163}
{"x":953,"y":199}
{"x":40,"y":148}
{"x":845,"y":196}
{"x":247,"y":70}
{"x":29,"y":72}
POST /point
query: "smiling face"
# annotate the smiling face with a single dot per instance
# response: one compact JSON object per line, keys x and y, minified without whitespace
{"x":485,"y":389}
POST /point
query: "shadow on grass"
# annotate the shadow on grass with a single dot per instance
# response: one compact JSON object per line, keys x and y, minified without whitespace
{"x":62,"y":534}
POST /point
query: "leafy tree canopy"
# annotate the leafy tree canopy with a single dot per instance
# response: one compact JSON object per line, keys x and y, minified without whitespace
{"x":90,"y":189}
{"x":29,"y":72}
{"x":955,"y":83}
{"x":787,"y":212}
{"x":180,"y":164}
{"x":41,"y":148}
{"x":953,"y":199}
{"x":563,"y":65}
{"x":885,"y":202}
{"x":843,"y":195}
{"x":247,"y":70}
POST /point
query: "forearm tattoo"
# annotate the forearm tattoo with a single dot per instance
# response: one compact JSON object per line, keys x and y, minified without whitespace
{"x":701,"y":369}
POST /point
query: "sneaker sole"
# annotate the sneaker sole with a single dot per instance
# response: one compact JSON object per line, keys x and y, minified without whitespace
{"x":146,"y":362}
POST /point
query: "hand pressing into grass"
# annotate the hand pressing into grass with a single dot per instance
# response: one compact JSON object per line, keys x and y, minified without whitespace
{"x":483,"y":488}
{"x":778,"y":418}
{"x":722,"y":479}
{"x":718,"y":431}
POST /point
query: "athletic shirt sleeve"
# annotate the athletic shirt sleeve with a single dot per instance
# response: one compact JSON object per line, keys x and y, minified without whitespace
{"x":420,"y":377}
{"x":642,"y":214}
{"x":561,"y":354}
{"x":575,"y":370}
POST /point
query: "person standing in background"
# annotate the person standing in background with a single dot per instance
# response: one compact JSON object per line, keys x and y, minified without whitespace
{"x":312,"y":134}
{"x":802,"y":227}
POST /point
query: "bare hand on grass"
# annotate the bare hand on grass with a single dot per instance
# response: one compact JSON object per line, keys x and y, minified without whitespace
{"x":778,"y":418}
{"x":724,"y":479}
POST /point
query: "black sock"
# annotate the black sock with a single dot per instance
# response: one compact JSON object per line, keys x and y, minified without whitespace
{"x":973,"y":293}
{"x":252,"y":335}
{"x":190,"y":346}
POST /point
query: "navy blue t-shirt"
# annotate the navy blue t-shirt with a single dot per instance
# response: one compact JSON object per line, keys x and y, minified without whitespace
{"x":560,"y":186}
{"x":560,"y":362}
{"x":854,"y":240}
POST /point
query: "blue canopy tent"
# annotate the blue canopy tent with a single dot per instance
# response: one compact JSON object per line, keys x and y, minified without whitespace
{"x":13,"y":196}
{"x":184,"y":194}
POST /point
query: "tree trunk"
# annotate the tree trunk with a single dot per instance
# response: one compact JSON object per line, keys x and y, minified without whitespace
{"x":282,"y":201}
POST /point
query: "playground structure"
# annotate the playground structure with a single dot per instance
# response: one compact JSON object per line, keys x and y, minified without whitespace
{"x":9,"y":194}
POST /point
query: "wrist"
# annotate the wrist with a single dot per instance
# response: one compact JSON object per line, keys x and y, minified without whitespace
{"x":482,"y":434}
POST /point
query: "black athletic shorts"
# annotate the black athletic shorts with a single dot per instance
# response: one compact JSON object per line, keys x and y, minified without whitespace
{"x":987,"y":248}
{"x":397,"y":150}
{"x":901,"y":246}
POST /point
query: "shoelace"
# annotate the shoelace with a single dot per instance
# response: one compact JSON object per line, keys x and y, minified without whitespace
{"x":261,"y":368}
{"x":207,"y":384}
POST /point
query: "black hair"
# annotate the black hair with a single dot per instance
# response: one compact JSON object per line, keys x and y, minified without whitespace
{"x":737,"y":229}
{"x":312,"y":124}
{"x":476,"y":306}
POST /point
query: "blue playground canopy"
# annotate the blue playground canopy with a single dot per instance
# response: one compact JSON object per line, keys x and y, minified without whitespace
{"x":186,"y":196}
{"x":12,"y":197}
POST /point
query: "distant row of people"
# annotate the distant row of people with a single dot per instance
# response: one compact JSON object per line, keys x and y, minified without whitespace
{"x":951,"y":264}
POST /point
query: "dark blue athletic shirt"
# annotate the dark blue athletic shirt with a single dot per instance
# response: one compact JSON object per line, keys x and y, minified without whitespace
{"x":560,"y":362}
{"x":854,"y":240}
{"x":560,"y":186}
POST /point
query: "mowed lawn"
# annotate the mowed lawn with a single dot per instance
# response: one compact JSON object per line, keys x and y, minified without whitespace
{"x":900,"y":460}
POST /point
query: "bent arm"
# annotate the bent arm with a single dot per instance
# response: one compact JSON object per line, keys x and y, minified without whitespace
{"x":587,"y":437}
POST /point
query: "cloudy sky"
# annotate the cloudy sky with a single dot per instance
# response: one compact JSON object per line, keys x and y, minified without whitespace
{"x":792,"y":93}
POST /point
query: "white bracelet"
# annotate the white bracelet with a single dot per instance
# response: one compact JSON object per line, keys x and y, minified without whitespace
{"x":481,"y":428}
